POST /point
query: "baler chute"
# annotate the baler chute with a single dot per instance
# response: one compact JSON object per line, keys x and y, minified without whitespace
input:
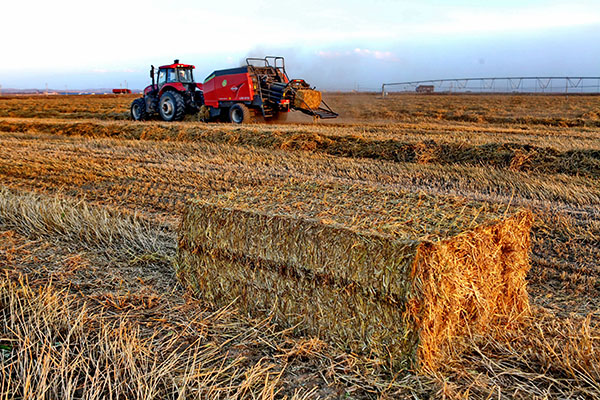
{"x":275,"y":85}
{"x":308,"y":100}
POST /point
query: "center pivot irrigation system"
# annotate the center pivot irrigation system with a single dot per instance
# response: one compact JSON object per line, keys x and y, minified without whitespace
{"x":521,"y":84}
{"x":260,"y":88}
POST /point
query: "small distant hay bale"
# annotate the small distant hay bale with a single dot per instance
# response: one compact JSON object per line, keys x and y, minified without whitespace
{"x":307,"y":97}
{"x":404,"y":299}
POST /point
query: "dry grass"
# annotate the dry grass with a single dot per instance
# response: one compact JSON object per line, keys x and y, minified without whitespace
{"x":545,"y":357}
{"x":547,"y":155}
{"x":548,"y":110}
{"x":54,"y":346}
{"x":77,"y":222}
{"x":539,"y":152}
{"x":102,"y":106}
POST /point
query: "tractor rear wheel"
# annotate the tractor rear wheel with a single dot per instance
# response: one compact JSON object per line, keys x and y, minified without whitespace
{"x":239,"y":114}
{"x":171,"y":106}
{"x":138,"y":110}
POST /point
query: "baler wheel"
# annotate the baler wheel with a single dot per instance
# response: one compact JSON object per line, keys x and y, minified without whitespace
{"x":171,"y":106}
{"x":239,"y":114}
{"x":138,"y":110}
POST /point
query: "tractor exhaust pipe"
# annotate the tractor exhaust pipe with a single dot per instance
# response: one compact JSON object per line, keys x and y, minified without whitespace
{"x":152,"y":75}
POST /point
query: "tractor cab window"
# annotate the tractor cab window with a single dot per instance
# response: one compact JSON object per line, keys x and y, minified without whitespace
{"x":171,"y":75}
{"x":162,"y":77}
{"x":185,"y":75}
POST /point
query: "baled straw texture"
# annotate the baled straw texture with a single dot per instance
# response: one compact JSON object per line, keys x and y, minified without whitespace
{"x":467,"y":283}
{"x":307,"y":97}
{"x":404,"y":299}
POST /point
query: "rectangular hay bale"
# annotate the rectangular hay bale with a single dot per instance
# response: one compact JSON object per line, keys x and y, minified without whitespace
{"x":307,"y":97}
{"x":405,"y":298}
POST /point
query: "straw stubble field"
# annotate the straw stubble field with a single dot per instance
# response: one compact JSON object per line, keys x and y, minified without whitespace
{"x":99,"y":233}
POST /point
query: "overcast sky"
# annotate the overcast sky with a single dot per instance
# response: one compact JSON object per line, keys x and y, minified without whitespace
{"x":333,"y":44}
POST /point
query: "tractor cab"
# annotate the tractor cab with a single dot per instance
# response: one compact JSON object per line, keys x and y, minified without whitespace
{"x":172,"y":75}
{"x":175,"y":73}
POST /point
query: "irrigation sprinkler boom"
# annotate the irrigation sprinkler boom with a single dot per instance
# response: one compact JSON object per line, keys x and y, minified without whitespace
{"x":523,"y":84}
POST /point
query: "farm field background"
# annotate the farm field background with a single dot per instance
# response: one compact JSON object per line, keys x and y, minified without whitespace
{"x":118,"y":188}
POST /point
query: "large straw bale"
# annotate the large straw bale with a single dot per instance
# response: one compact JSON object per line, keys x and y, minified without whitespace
{"x":395,"y":294}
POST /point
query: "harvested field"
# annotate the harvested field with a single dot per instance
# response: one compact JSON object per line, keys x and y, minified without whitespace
{"x":69,"y":107}
{"x":123,"y":187}
{"x":584,"y":160}
{"x":523,"y":110}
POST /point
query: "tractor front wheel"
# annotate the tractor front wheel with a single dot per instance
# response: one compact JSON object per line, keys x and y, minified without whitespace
{"x":138,"y":110}
{"x":239,"y":114}
{"x":171,"y":106}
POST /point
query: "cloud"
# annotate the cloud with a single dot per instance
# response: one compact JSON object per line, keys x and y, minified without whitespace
{"x":117,"y":70}
{"x":377,"y":54}
{"x":360,"y":52}
{"x":524,"y":19}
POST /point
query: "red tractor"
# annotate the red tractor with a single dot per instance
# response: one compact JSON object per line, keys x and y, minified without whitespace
{"x":174,"y":94}
{"x":261,"y":88}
